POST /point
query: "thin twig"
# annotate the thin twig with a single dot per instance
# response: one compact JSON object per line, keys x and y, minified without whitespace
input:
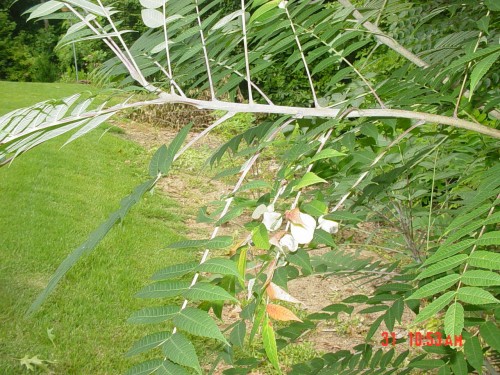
{"x":167,"y":50}
{"x":304,"y":61}
{"x":205,"y":52}
{"x":245,"y":47}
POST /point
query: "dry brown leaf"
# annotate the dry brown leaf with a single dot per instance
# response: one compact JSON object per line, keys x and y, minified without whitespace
{"x":281,"y":313}
{"x":275,"y":292}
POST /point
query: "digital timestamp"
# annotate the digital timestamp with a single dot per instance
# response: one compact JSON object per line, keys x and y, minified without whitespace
{"x":422,"y":339}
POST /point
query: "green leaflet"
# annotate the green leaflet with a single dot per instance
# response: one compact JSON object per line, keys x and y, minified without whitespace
{"x":301,"y":258}
{"x":485,"y":259}
{"x":259,"y":184}
{"x":481,"y":69}
{"x":169,"y":368}
{"x":174,"y":271}
{"x":480,"y":278}
{"x":489,"y":239}
{"x":445,"y":251}
{"x":323,"y":237}
{"x":163,"y":289}
{"x":261,"y":11}
{"x":145,"y":368}
{"x":308,"y":179}
{"x":474,"y":353}
{"x":394,"y":313}
{"x":475,"y":296}
{"x":327,"y":154}
{"x":44,"y":9}
{"x":260,"y":237}
{"x":491,"y":334}
{"x":148,"y":342}
{"x":454,"y":320}
{"x":427,"y":364}
{"x":221,"y":266}
{"x":237,"y":336}
{"x":199,"y":323}
{"x":343,"y":215}
{"x":232,"y":214}
{"x":214,"y":243}
{"x":180,"y":350}
{"x":315,"y":208}
{"x":269,"y":341}
{"x":207,"y":292}
{"x":150,"y":315}
{"x":434,"y":307}
{"x":155,"y":166}
{"x":436,"y":286}
{"x":458,"y":364}
{"x":443,"y":266}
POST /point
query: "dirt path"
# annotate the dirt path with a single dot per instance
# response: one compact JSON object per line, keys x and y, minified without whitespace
{"x":193,"y":188}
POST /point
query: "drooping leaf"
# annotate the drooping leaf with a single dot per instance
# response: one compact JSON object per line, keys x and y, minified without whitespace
{"x":308,"y":179}
{"x":275,"y":292}
{"x":301,"y":258}
{"x":475,"y":296}
{"x":485,"y":259}
{"x":327,"y":154}
{"x":481,"y":69}
{"x":443,"y":266}
{"x":157,"y":160}
{"x":219,"y":265}
{"x":163,"y":289}
{"x":343,"y":215}
{"x":214,"y":243}
{"x":202,"y":291}
{"x":446,"y":251}
{"x":491,"y":334}
{"x":152,"y":18}
{"x":148,"y":342}
{"x":454,"y":320}
{"x":281,"y":313}
{"x":45,"y":9}
{"x":150,"y":315}
{"x":237,"y":336}
{"x":180,"y":350}
{"x":434,"y":307}
{"x":174,"y":271}
{"x":488,"y":239}
{"x":434,"y":287}
{"x":145,"y":368}
{"x":199,"y":323}
{"x":474,"y":353}
{"x":260,"y":237}
{"x":269,"y":341}
{"x":480,"y":278}
{"x":458,"y":364}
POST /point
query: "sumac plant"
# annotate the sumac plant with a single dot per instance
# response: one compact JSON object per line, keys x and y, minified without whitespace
{"x":394,"y":134}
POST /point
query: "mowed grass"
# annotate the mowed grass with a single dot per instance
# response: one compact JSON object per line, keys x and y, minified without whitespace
{"x":50,"y":200}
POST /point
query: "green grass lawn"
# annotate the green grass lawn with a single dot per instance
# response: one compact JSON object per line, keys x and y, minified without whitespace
{"x":50,"y":200}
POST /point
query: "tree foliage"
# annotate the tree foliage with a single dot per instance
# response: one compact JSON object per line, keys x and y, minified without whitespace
{"x":396,"y":128}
